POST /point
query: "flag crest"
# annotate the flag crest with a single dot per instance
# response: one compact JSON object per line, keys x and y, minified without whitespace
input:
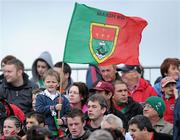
{"x":103,"y":39}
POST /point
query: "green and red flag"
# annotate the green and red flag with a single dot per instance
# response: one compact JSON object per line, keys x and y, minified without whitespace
{"x":102,"y":38}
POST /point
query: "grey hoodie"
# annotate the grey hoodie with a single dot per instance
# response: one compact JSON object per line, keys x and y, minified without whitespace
{"x":46,"y":56}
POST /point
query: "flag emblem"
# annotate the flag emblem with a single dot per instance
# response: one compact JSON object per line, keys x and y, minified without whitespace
{"x":103,"y":39}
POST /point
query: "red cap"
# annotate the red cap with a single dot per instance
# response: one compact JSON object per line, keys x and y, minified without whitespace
{"x":102,"y":85}
{"x":167,"y":80}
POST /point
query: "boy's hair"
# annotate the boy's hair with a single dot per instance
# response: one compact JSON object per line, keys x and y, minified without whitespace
{"x":141,"y":122}
{"x":76,"y":113}
{"x":117,"y":134}
{"x":100,"y":99}
{"x":38,"y":116}
{"x":36,"y":91}
{"x":52,"y":72}
{"x":38,"y":133}
{"x":67,"y":68}
{"x":116,"y":82}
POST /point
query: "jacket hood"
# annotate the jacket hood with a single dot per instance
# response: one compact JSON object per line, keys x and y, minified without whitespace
{"x":46,"y":56}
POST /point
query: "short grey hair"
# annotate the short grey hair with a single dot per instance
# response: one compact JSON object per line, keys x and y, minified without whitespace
{"x":100,"y":135}
{"x":112,"y":119}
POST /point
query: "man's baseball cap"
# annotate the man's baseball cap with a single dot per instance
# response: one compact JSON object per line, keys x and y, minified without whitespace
{"x":103,"y":86}
{"x":167,"y":80}
{"x":127,"y":68}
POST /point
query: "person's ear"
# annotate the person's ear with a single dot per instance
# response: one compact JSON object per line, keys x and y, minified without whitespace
{"x":18,"y":130}
{"x":41,"y":124}
{"x":84,"y":123}
{"x":104,"y":109}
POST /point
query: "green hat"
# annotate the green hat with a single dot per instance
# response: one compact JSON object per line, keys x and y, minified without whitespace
{"x":157,"y":104}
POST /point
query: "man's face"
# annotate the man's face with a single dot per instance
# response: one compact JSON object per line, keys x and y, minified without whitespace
{"x":94,"y":110}
{"x":120,"y":93}
{"x":42,"y":67}
{"x":76,"y":126}
{"x":108,"y":73}
{"x":149,"y":112}
{"x":107,"y":95}
{"x":131,"y":78}
{"x":136,"y":133}
{"x":11,"y":73}
{"x":31,"y":122}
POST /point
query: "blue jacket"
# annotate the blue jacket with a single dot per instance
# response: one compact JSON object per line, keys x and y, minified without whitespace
{"x":157,"y":87}
{"x":176,"y":126}
{"x":44,"y":105}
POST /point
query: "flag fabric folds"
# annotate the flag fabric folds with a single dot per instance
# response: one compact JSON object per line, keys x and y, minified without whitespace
{"x":102,"y":37}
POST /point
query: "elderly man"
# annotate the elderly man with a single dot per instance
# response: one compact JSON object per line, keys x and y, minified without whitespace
{"x":138,"y":88}
{"x":114,"y":122}
{"x":154,"y":109}
{"x":109,"y":73}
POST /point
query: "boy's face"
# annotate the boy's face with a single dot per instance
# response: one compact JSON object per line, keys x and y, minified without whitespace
{"x":31,"y":122}
{"x":169,"y":89}
{"x":51,"y":83}
{"x":76,"y":126}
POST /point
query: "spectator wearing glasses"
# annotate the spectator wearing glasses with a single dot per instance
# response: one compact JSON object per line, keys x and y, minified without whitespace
{"x":154,"y":108}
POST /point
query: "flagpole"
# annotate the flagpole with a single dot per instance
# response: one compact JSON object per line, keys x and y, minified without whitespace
{"x":61,"y":79}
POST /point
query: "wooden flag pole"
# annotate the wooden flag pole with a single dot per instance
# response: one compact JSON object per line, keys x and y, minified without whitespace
{"x":60,"y":98}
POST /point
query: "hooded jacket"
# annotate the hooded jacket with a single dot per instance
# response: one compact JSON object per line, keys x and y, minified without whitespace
{"x":45,"y":56}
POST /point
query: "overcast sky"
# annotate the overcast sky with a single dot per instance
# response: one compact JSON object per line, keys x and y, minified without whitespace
{"x":28,"y":27}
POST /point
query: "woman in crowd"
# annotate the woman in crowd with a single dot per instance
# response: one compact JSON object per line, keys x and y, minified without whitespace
{"x":12,"y":127}
{"x":78,"y":94}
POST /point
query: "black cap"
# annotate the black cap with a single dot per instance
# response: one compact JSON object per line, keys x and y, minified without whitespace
{"x":127,"y":68}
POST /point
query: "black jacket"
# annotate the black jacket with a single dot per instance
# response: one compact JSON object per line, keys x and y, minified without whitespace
{"x":132,"y":109}
{"x":20,"y":96}
{"x":83,"y":137}
{"x":162,"y":136}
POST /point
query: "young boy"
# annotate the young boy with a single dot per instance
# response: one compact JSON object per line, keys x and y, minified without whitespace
{"x":170,"y":94}
{"x":52,"y":103}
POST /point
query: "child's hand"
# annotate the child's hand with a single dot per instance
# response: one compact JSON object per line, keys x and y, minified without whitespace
{"x":175,"y":91}
{"x":58,"y":107}
{"x":60,"y":122}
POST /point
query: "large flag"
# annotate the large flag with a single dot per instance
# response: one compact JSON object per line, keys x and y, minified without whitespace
{"x":101,"y":37}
